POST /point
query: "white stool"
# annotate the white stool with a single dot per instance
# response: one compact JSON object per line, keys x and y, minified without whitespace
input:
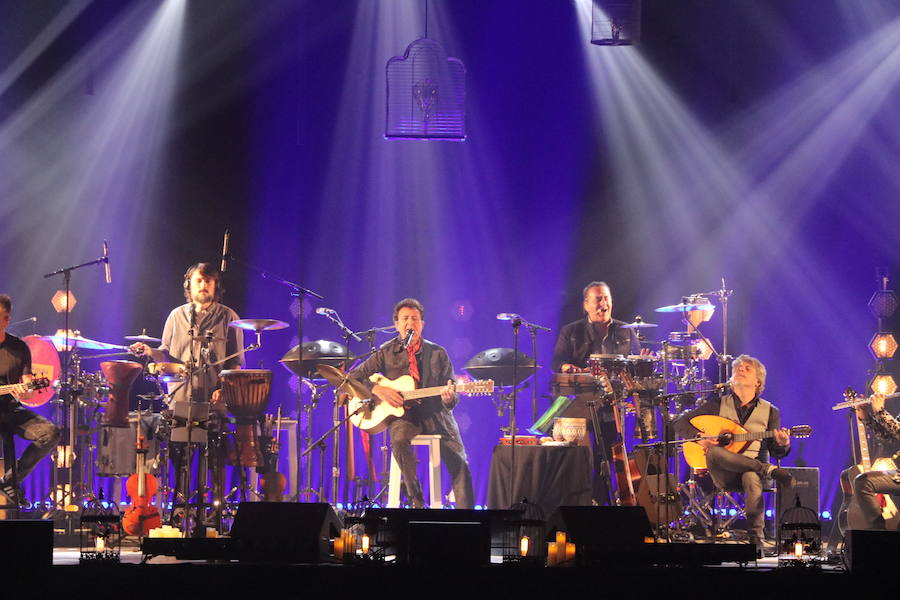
{"x":434,"y":467}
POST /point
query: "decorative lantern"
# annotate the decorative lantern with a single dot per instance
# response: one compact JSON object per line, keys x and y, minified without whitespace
{"x":523,"y":533}
{"x":799,"y":537}
{"x":101,"y":533}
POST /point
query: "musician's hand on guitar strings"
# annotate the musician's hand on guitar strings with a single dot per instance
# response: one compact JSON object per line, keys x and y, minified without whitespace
{"x":877,"y":402}
{"x":389,"y":395}
{"x":447,"y":393}
{"x":708,"y":442}
{"x":783,"y":436}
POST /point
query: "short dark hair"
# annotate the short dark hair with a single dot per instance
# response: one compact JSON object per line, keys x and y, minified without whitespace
{"x":594,"y":284}
{"x":208,"y":270}
{"x":6,"y":303}
{"x":409,"y":303}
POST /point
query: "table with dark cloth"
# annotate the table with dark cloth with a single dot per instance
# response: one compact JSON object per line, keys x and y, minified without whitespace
{"x":549,"y":476}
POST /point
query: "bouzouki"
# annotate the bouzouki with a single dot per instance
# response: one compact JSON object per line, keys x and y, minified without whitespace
{"x":373,"y":416}
{"x":731,"y":435}
{"x":850,"y":515}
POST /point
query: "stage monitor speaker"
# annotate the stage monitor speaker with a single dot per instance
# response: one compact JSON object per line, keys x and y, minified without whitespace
{"x":872,"y":552}
{"x":423,"y":537}
{"x":601,"y":533}
{"x":30,"y":539}
{"x":806,"y":488}
{"x":284,"y":531}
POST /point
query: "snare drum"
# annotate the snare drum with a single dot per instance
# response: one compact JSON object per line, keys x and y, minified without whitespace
{"x":643,"y":367}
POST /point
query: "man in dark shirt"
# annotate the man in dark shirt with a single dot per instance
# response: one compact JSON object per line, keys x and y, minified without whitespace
{"x":745,"y":471}
{"x":430,"y":366}
{"x":597,"y":333}
{"x":15,"y":367}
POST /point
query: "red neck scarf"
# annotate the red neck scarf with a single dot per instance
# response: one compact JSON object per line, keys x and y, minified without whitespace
{"x":413,"y":365}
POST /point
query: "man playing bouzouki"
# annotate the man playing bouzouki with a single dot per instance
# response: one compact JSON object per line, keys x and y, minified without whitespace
{"x":429,"y":365}
{"x":744,"y":471}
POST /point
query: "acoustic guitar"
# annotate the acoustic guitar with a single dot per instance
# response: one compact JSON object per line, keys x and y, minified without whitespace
{"x":373,"y":416}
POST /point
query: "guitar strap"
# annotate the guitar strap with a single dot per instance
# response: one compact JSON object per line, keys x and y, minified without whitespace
{"x":425,"y":364}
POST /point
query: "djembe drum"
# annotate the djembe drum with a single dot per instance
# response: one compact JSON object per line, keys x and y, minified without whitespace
{"x":246,"y":395}
{"x":120,"y":374}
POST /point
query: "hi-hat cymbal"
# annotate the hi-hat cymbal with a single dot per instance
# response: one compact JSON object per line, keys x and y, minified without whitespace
{"x":258,"y":324}
{"x":639,"y":324}
{"x":336,"y":377}
{"x":685,"y":307}
{"x":143,"y":337}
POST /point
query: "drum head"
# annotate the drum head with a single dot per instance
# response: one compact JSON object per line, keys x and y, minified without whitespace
{"x":44,"y":363}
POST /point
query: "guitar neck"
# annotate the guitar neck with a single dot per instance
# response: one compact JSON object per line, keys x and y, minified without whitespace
{"x":430,"y":391}
{"x":751,"y":436}
{"x":864,"y":459}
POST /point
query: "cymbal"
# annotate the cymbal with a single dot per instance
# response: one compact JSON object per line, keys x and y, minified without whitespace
{"x":81,"y":342}
{"x":143,"y":337}
{"x":639,"y":324}
{"x":497,"y":364}
{"x":317,"y":352}
{"x":335,"y":376}
{"x":258,"y":325}
{"x":685,"y":307}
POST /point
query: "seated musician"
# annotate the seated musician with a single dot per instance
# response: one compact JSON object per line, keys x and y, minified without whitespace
{"x":866,"y":486}
{"x":430,"y":366}
{"x":597,"y":333}
{"x":745,"y":471}
{"x":15,"y":367}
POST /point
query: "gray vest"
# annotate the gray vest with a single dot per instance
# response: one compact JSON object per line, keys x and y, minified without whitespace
{"x":758,"y":421}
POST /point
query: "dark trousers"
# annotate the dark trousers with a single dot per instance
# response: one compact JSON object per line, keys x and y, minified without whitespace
{"x":601,"y":445}
{"x":736,"y":472}
{"x":42,"y":433}
{"x":453,"y":455}
{"x":866,"y":486}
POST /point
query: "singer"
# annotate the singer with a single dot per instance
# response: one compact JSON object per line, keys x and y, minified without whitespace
{"x":429,"y":365}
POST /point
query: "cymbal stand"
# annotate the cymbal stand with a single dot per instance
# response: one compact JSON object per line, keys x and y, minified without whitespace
{"x":384,"y":474}
{"x":315,"y":394}
{"x":723,"y":359}
{"x":300,"y":293}
{"x":348,"y":334}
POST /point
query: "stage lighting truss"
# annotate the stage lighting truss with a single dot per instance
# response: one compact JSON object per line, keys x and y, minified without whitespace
{"x":61,"y":301}
{"x":883,"y":304}
{"x":615,"y":22}
{"x":426,"y":93}
{"x":883,"y":346}
{"x":883,"y":384}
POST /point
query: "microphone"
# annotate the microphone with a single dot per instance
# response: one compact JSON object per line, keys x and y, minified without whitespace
{"x":326,"y":312}
{"x":408,"y":337}
{"x":193,"y":317}
{"x":106,"y":261}
{"x":224,"y":265}
{"x":508,"y":317}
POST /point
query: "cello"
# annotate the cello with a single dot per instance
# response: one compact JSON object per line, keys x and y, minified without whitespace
{"x":141,"y":516}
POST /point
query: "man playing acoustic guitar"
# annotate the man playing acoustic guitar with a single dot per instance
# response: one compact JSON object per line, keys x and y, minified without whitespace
{"x":429,"y":365}
{"x":868,"y":485}
{"x":745,"y":471}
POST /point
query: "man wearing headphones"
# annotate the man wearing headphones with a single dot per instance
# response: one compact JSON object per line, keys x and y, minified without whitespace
{"x":198,"y":333}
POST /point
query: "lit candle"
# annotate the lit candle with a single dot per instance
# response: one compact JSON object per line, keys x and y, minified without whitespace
{"x":523,"y":545}
{"x":339,"y":547}
{"x":570,"y":551}
{"x":365,"y":544}
{"x":798,"y":549}
{"x":551,"y":554}
{"x":560,"y":537}
{"x":100,"y":543}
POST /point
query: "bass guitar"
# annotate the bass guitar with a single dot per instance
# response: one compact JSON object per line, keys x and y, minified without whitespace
{"x":373,"y":416}
{"x":731,"y":435}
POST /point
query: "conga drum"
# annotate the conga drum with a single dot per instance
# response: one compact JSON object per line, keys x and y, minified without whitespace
{"x":246,"y":395}
{"x":120,"y":374}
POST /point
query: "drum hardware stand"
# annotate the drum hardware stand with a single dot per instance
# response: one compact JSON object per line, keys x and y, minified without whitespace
{"x":300,"y":293}
{"x":605,"y":472}
{"x":316,"y":394}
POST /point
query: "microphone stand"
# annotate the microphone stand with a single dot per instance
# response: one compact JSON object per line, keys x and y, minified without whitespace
{"x":67,"y":394}
{"x":299,"y":292}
